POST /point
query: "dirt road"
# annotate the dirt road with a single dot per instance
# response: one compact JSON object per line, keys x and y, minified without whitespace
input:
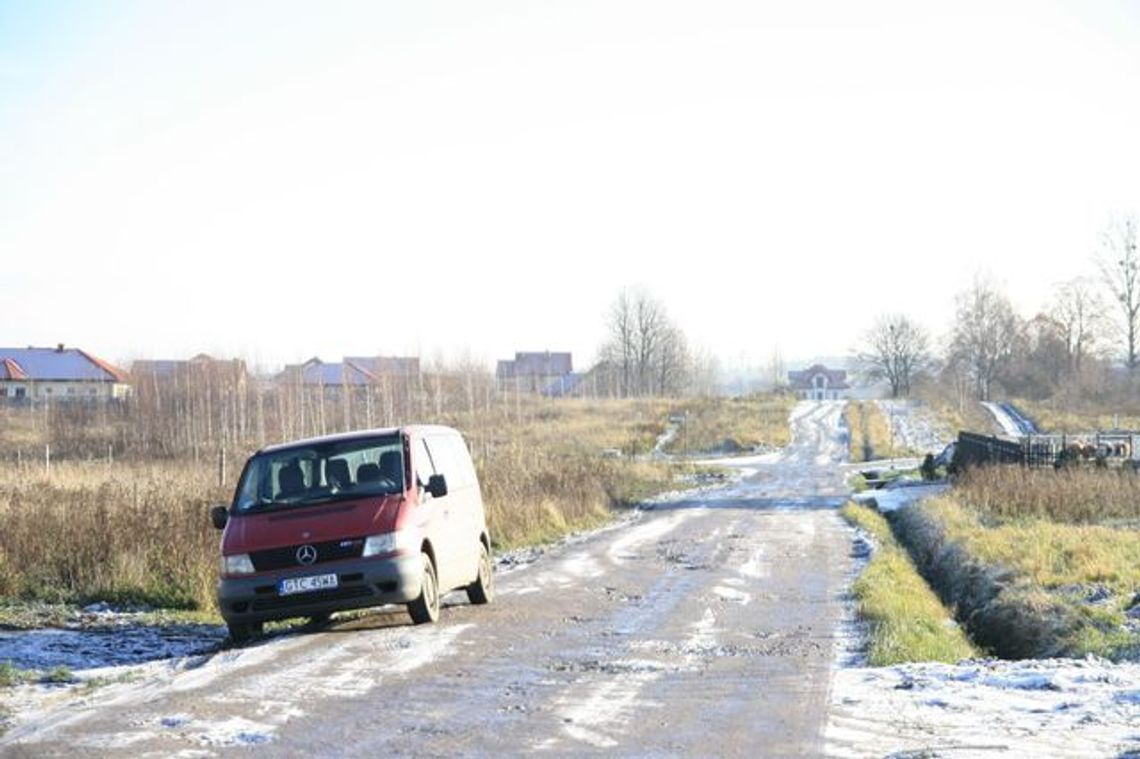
{"x":706,"y":625}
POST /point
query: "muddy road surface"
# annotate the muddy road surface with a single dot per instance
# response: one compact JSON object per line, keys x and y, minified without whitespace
{"x":705,"y":624}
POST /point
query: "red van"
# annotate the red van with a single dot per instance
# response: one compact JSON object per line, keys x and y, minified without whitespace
{"x":349,"y":521}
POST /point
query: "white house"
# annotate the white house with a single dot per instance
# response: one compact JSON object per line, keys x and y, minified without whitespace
{"x":819,"y":383}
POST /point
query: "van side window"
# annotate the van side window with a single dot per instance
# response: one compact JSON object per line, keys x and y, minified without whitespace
{"x":424,"y":469}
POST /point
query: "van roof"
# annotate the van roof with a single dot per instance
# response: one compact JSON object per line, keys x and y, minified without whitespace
{"x":411,"y":429}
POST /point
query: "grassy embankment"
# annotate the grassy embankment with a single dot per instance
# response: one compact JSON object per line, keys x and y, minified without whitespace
{"x":732,"y":425}
{"x":957,"y":414}
{"x":1037,"y":563}
{"x":907,"y":621}
{"x":1053,"y":418}
{"x":869,"y":432}
{"x":138,"y":531}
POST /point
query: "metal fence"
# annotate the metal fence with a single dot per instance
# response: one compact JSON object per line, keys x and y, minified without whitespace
{"x":1038,"y":451}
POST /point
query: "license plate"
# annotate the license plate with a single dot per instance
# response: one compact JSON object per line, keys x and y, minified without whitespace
{"x":292,"y":585}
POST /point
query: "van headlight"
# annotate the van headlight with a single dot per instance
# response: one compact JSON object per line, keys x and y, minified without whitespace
{"x":238,"y":564}
{"x":388,"y":542}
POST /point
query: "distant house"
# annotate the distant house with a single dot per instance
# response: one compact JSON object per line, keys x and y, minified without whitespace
{"x":545,"y":372}
{"x":381,"y":367}
{"x":819,"y":383}
{"x":353,"y":371}
{"x":201,"y":371}
{"x":64,"y":374}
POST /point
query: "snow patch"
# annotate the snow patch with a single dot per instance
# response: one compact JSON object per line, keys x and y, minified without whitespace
{"x":753,"y":567}
{"x":733,"y":595}
{"x":1059,"y":707}
{"x":894,"y":498}
{"x":235,"y":731}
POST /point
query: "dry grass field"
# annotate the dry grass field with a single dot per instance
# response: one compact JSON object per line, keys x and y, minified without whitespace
{"x":729,"y":425}
{"x":1083,"y":418}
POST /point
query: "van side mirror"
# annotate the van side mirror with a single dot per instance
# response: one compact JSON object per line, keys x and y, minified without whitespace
{"x":437,"y":486}
{"x":219,"y":515}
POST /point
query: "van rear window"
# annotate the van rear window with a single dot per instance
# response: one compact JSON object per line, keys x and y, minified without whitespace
{"x":308,"y":475}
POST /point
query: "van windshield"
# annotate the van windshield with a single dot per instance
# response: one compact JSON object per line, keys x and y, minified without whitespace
{"x":308,"y":475}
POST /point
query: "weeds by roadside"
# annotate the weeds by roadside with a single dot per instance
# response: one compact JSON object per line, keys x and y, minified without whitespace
{"x":907,"y":621}
{"x":1074,"y":496}
{"x":11,"y":676}
{"x":869,"y":431}
{"x":1029,"y":586}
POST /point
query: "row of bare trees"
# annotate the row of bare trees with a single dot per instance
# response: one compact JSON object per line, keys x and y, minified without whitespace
{"x":1090,"y":323}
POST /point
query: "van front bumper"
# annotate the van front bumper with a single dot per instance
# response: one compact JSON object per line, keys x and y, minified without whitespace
{"x":360,"y":583}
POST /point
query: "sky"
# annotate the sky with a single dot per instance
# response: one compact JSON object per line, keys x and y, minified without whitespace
{"x":278,"y":180}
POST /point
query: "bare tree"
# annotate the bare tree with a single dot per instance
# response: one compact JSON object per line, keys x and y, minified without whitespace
{"x":895,"y":349}
{"x":777,"y":372}
{"x":672,"y":362}
{"x":1119,"y":263}
{"x":647,"y":352}
{"x":986,"y":333}
{"x":650,"y":327}
{"x":619,"y":349}
{"x":1078,"y":312}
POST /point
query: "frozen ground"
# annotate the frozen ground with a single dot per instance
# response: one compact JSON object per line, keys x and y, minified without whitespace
{"x":1012,"y":424}
{"x":916,"y":427}
{"x":1057,"y":708}
{"x":900,"y":494}
{"x":81,"y":650}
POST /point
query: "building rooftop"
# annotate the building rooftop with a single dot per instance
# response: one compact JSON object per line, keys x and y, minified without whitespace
{"x":58,"y":364}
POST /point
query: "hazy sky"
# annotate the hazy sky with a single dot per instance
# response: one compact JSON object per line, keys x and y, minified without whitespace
{"x":279,"y":180}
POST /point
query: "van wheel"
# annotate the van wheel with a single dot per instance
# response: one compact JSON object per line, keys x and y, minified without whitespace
{"x":425,"y":608}
{"x":243,"y":633}
{"x":482,"y":591}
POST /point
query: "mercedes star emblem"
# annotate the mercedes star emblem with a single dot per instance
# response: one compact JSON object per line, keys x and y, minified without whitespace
{"x":306,"y":555}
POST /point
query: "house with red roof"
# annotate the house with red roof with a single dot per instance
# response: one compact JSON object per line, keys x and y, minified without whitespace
{"x":59,"y":373}
{"x":818,"y":383}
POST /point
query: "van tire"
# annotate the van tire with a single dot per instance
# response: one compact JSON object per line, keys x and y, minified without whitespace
{"x":425,"y":609}
{"x":482,"y":591}
{"x":243,"y":633}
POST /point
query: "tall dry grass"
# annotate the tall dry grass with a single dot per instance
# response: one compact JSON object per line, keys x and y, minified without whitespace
{"x":1075,"y":496}
{"x":125,"y":532}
